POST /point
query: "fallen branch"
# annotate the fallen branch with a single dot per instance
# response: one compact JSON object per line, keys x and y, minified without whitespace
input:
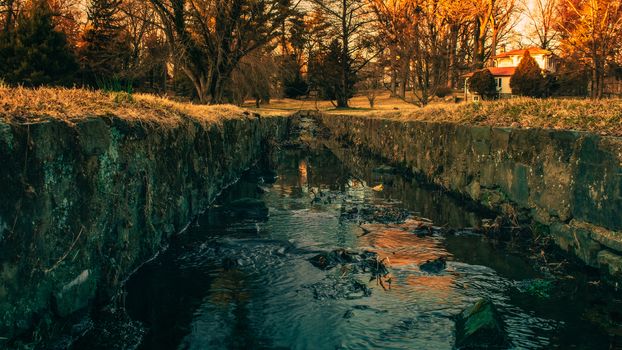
{"x":62,"y":258}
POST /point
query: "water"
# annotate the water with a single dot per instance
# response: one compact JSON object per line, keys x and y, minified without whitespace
{"x":240,"y":278}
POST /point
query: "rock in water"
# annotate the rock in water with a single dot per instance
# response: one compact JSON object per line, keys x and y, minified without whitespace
{"x":480,"y":327}
{"x":434,"y":266}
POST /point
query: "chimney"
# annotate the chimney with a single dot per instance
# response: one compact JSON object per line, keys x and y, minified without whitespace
{"x":502,"y":50}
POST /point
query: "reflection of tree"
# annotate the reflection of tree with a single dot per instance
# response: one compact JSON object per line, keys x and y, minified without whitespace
{"x":303,"y":180}
{"x":229,"y":289}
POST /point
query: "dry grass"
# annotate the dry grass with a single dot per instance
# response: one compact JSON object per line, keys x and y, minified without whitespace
{"x":602,"y":117}
{"x":30,"y":106}
{"x":358,"y":104}
{"x":21,"y":105}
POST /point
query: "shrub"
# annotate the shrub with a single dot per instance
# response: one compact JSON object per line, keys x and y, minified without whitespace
{"x":296,"y":86}
{"x":572,"y":79}
{"x":443,"y":91}
{"x":528,"y":79}
{"x":483,"y":82}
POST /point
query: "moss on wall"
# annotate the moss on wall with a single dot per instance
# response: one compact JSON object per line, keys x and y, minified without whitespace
{"x":83,"y":204}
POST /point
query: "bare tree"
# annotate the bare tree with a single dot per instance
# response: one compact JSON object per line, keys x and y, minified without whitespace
{"x":210,"y":37}
{"x":591,"y":30}
{"x":542,"y":15}
{"x":493,"y":19}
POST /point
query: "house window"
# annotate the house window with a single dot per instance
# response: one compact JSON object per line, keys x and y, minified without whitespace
{"x":499,"y":82}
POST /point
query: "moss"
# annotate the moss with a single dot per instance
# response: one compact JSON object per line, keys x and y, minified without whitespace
{"x":108,"y":163}
{"x":6,"y":136}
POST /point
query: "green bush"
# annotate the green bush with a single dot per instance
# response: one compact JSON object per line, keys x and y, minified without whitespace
{"x":528,"y":79}
{"x":483,"y":82}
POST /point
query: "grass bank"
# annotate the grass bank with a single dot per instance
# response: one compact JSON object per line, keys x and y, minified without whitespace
{"x":601,"y":117}
{"x":22,"y":105}
{"x":32,"y":105}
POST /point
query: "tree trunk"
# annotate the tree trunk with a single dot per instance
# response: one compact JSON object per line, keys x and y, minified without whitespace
{"x":9,"y":15}
{"x":405,"y":77}
{"x":453,"y":46}
{"x":598,"y":73}
{"x":477,"y":45}
{"x":342,"y":101}
{"x":393,"y":82}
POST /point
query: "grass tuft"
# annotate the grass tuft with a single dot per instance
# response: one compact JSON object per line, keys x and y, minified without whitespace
{"x":23,"y":105}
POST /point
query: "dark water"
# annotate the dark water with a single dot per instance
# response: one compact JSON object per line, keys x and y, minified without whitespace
{"x":240,"y":277}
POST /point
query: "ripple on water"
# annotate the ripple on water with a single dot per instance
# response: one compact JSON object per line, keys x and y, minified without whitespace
{"x":251,"y":284}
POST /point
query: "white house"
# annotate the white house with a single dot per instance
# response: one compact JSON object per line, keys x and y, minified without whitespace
{"x":504,"y":66}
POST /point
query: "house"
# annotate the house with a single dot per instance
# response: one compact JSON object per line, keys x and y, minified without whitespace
{"x":504,"y":65}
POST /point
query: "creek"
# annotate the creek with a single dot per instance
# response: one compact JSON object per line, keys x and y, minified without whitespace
{"x":242,"y":277}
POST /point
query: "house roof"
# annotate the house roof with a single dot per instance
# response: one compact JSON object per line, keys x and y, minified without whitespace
{"x":521,"y":52}
{"x":498,"y":71}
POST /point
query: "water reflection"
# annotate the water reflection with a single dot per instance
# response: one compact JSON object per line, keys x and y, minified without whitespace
{"x":239,"y":279}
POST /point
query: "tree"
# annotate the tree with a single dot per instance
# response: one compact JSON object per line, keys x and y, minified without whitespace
{"x":295,"y":37}
{"x":9,"y":10}
{"x":429,"y":65}
{"x":324,"y":74}
{"x":66,"y":16}
{"x":210,"y":37}
{"x":35,"y":53}
{"x":483,"y":82}
{"x":528,"y":79}
{"x":396,"y":21}
{"x":424,"y":35}
{"x":591,"y":30}
{"x":349,"y":19}
{"x":105,"y":51}
{"x":148,"y":55}
{"x":255,"y":77}
{"x":294,"y":85}
{"x":542,"y":15}
{"x":572,"y":78}
{"x":370,"y":82}
{"x":493,"y":19}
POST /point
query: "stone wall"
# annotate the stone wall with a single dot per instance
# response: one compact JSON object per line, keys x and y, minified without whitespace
{"x":83,"y":205}
{"x":569,"y":182}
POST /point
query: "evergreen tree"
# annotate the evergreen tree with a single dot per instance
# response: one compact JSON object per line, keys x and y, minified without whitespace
{"x":294,"y":84}
{"x":35,"y":53}
{"x":326,"y":75}
{"x":528,"y":79}
{"x":105,"y":50}
{"x":483,"y":82}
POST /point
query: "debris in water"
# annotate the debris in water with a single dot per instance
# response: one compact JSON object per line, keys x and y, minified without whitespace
{"x":434,"y":266}
{"x":353,"y":262}
{"x":113,"y":329}
{"x":338,"y":287}
{"x":376,"y":214}
{"x":480,"y":326}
